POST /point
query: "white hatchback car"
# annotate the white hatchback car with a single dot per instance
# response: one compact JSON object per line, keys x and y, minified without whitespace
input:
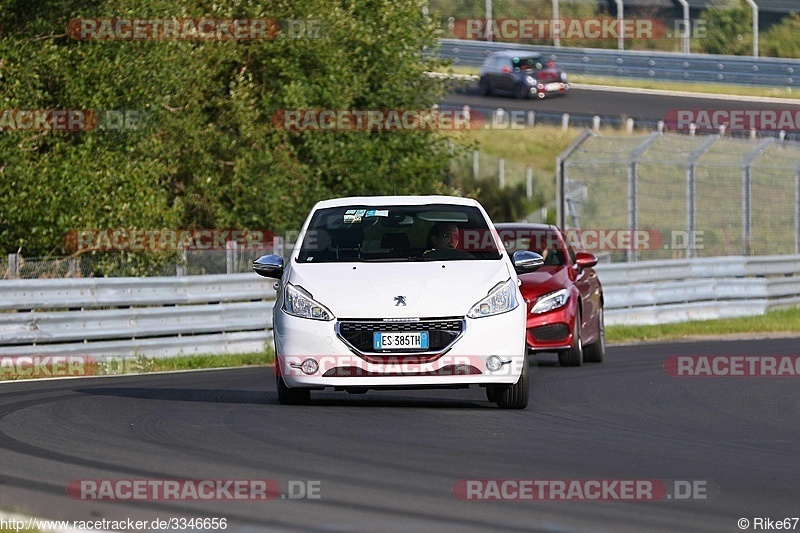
{"x":399,"y":292}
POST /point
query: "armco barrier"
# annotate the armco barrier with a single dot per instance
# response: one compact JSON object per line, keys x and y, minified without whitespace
{"x":657,"y":292}
{"x":705,"y":68}
{"x":233,"y":313}
{"x":136,"y":316}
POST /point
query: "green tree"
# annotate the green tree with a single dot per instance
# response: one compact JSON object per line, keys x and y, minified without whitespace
{"x":782,"y":39}
{"x":729,"y":28}
{"x":209,"y":155}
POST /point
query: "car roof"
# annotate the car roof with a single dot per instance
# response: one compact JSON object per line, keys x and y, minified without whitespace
{"x":525,"y":226}
{"x":515,"y":53}
{"x":396,"y":200}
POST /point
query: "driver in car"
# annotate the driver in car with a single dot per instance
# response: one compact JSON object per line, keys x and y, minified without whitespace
{"x":443,"y":239}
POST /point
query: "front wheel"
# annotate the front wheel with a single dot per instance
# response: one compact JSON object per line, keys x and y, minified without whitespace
{"x":484,"y":87}
{"x":574,"y":355}
{"x":287,"y":396}
{"x":595,"y":352}
{"x":515,"y":396}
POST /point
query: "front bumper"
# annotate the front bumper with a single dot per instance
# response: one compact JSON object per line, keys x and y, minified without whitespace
{"x":551,"y":331}
{"x":462,"y":363}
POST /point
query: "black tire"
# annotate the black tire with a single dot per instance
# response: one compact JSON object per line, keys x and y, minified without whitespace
{"x":287,"y":396}
{"x":595,"y":352}
{"x":485,"y":87}
{"x":573,"y":356}
{"x":516,"y":396}
{"x":522,"y":91}
{"x":491,"y":394}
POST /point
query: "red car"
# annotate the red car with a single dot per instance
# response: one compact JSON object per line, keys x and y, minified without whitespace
{"x":564,"y":297}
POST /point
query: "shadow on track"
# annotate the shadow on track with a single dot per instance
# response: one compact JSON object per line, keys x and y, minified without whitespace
{"x":318,"y":398}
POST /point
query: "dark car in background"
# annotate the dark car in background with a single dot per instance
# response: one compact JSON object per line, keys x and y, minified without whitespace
{"x":521,"y":74}
{"x":564,"y":297}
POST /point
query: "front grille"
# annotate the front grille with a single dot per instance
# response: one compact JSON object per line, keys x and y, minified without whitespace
{"x":550,"y":333}
{"x":358,"y":333}
{"x":356,"y":372}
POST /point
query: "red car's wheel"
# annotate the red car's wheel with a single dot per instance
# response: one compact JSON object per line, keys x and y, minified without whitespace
{"x":574,"y":355}
{"x":596,"y":351}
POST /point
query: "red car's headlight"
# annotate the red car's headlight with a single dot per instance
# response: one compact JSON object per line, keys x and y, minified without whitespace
{"x":550,"y":301}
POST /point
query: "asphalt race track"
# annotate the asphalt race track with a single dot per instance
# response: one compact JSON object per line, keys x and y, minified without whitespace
{"x":389,"y":461}
{"x":608,"y":103}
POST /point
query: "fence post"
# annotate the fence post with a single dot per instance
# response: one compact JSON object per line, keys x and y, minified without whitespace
{"x":595,"y":122}
{"x":797,"y":211}
{"x":475,"y":167}
{"x":691,"y":193}
{"x":180,"y":269}
{"x":277,"y":245}
{"x":230,"y":257}
{"x":529,"y":182}
{"x":565,"y":121}
{"x":747,"y":195}
{"x":73,"y":267}
{"x":501,"y":172}
{"x":629,"y":126}
{"x":13,"y":266}
{"x":561,"y":164}
{"x":633,"y":179}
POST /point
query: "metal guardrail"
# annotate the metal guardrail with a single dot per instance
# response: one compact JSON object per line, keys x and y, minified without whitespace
{"x":665,"y":66}
{"x":657,"y":292}
{"x":161,"y":317}
{"x":136,"y":316}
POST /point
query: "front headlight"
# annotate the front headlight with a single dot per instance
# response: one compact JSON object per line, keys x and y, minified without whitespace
{"x":530,"y":80}
{"x":564,"y":76}
{"x":299,"y":303}
{"x":501,"y":299}
{"x":550,"y":301}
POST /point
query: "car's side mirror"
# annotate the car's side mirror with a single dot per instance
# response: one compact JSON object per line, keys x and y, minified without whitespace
{"x":269,"y":266}
{"x":526,"y":261}
{"x":585,"y":259}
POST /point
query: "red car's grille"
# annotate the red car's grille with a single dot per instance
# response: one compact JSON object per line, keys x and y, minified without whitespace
{"x":550,"y":333}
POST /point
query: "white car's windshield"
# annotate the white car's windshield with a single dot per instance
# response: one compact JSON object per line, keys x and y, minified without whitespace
{"x":364,"y":233}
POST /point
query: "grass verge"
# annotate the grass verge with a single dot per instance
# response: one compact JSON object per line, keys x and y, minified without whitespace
{"x":18,"y":368}
{"x":779,"y":321}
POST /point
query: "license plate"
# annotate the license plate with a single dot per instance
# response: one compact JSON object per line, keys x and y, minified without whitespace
{"x":552,"y":87}
{"x":417,"y":340}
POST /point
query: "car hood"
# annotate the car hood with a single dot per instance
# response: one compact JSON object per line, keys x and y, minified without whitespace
{"x":546,"y":279}
{"x":431,"y":288}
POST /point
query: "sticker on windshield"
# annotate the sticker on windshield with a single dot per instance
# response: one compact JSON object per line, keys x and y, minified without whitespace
{"x":377,"y":213}
{"x":350,"y":212}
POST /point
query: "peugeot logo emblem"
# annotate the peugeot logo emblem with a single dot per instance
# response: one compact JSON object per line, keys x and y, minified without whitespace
{"x":399,"y":300}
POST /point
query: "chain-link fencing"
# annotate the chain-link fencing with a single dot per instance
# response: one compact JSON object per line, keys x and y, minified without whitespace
{"x":661,"y":196}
